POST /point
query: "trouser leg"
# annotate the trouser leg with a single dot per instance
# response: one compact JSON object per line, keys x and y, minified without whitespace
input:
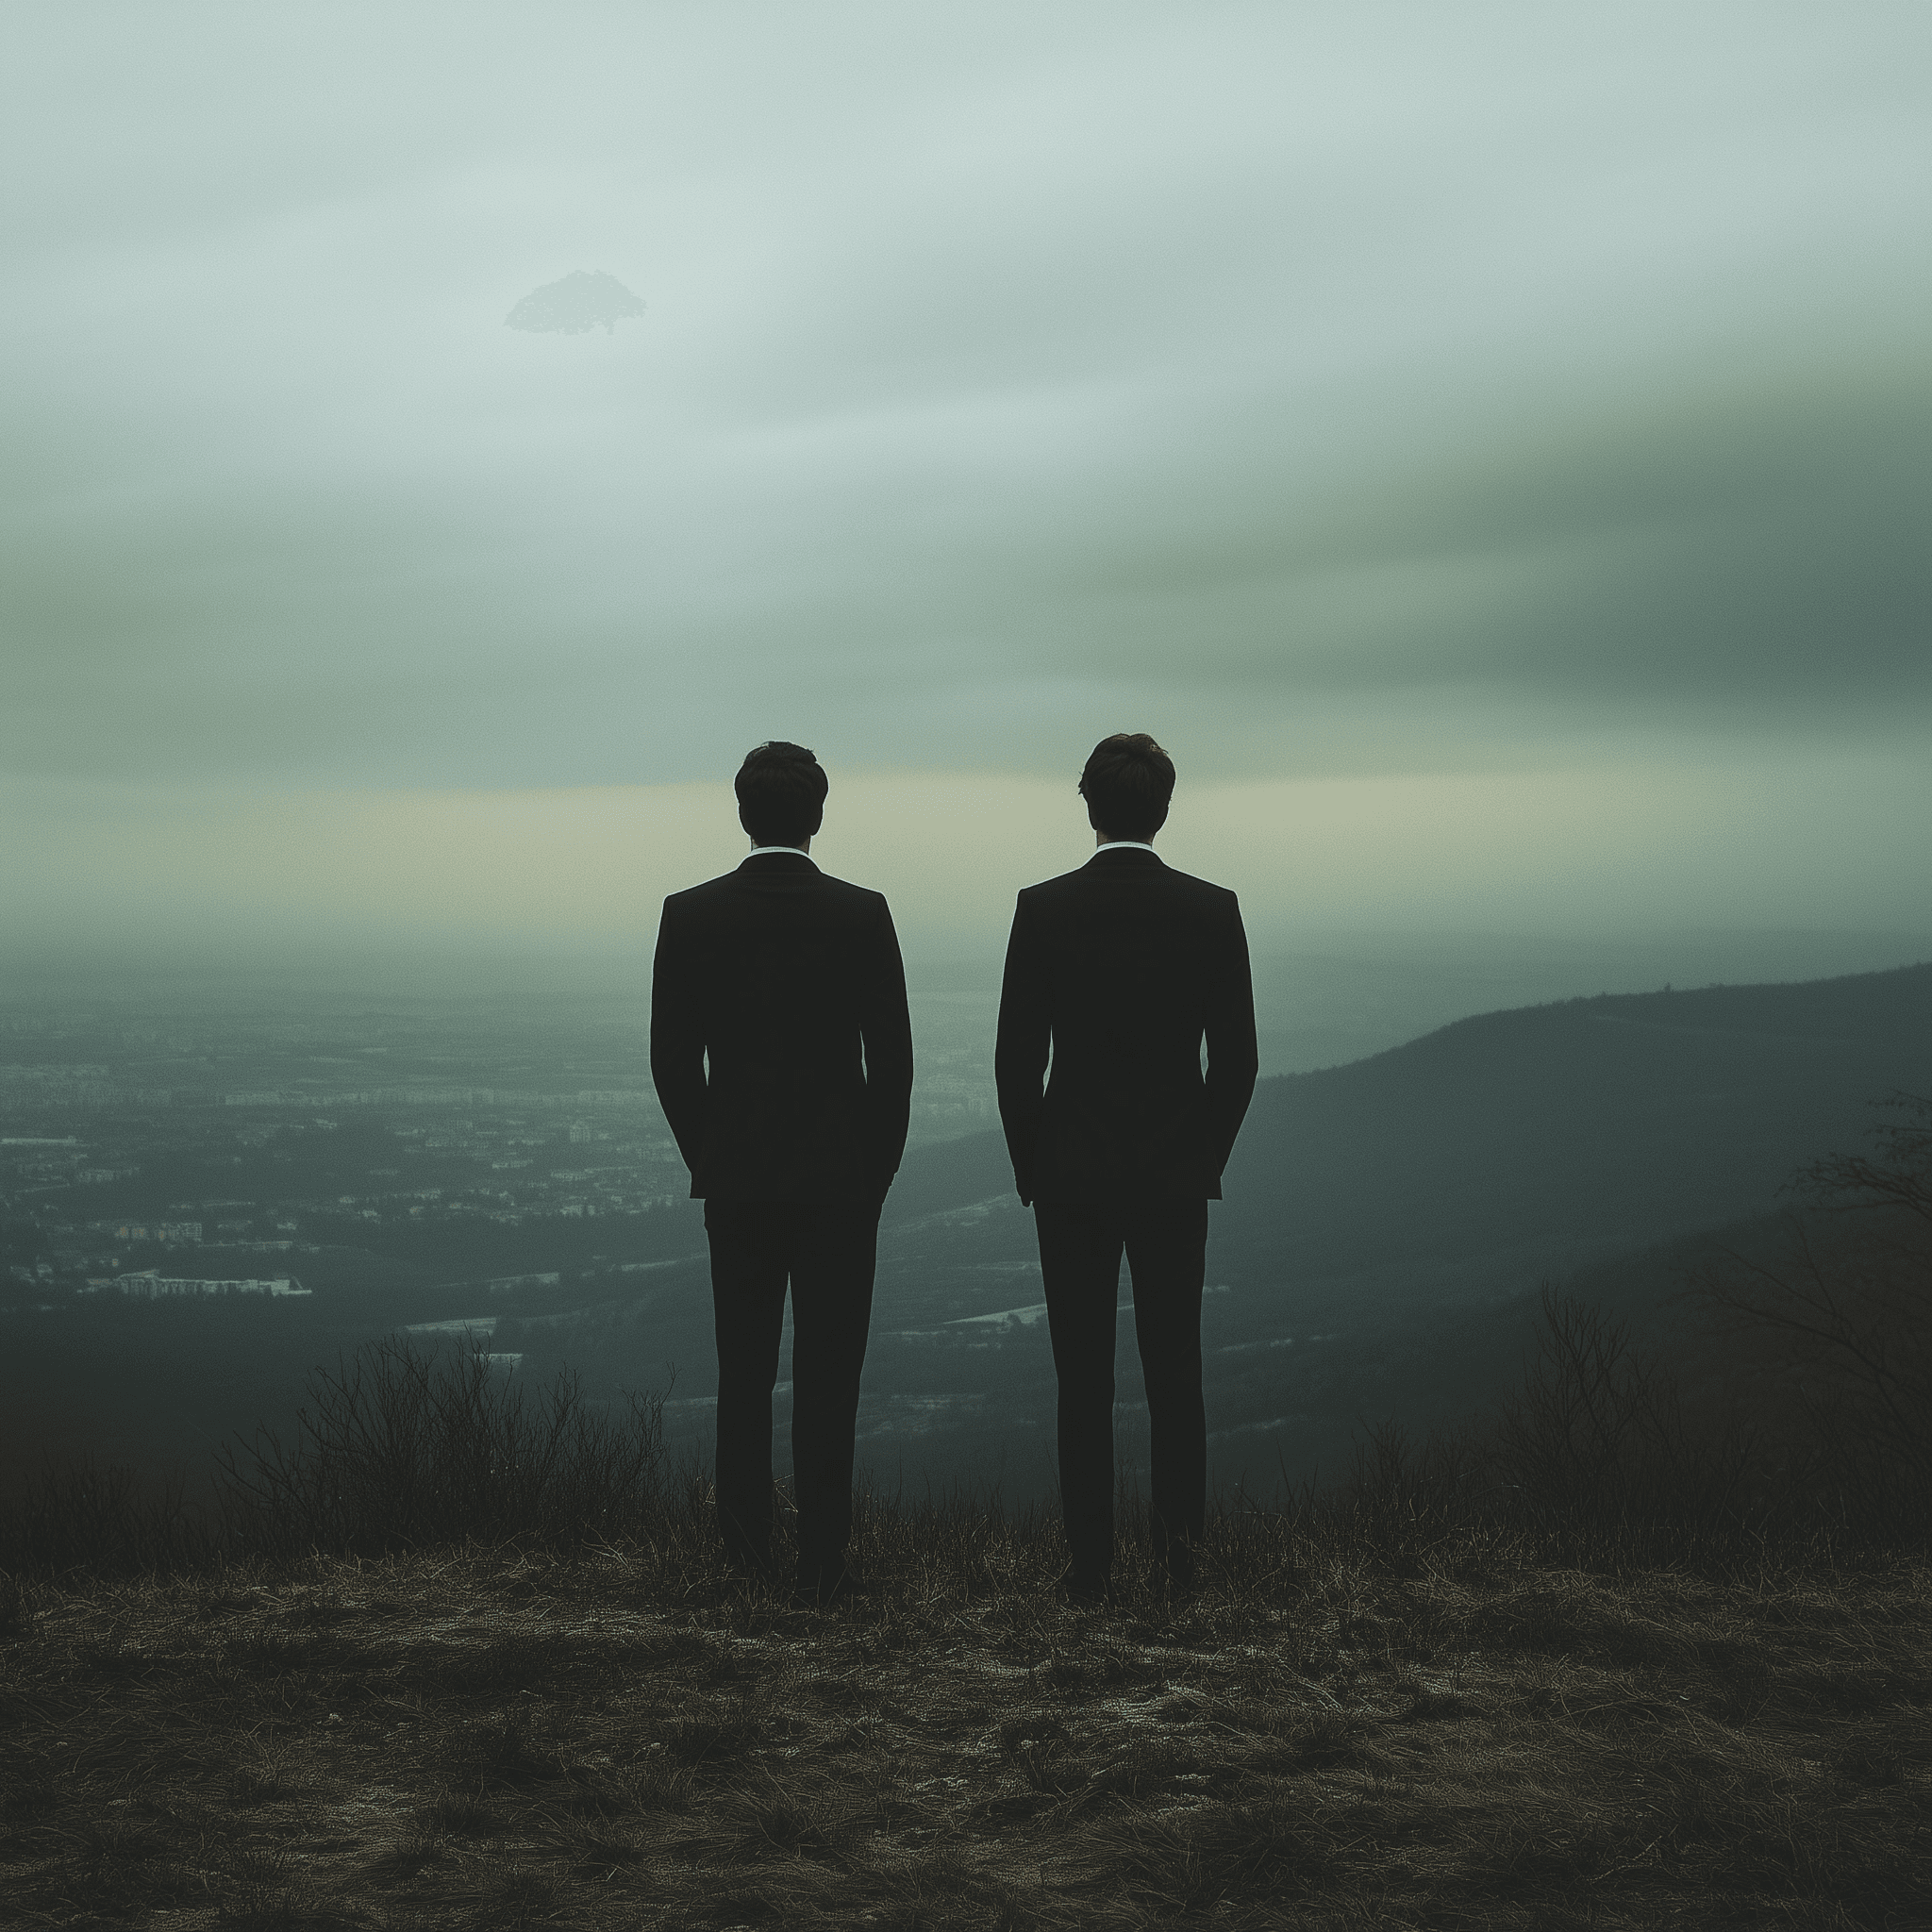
{"x":834,"y":1255}
{"x":1079,"y":1266}
{"x":1167,"y":1252}
{"x":748,"y":1269}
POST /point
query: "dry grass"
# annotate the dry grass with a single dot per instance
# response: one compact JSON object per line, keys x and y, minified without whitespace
{"x":616,"y":1738}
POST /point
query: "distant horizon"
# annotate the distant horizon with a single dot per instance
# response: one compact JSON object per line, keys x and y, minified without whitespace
{"x":1785,"y":952}
{"x":1337,"y":999}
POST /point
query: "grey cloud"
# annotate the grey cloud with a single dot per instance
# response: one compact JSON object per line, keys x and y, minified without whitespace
{"x":582,"y":301}
{"x":1306,"y":383}
{"x":1753,"y":552}
{"x":1720,"y":564}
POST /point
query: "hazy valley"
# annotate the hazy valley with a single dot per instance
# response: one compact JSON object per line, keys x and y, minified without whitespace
{"x":501,"y":1174}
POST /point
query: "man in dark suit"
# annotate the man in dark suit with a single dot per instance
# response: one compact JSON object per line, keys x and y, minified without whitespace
{"x":782,"y":1052}
{"x":1119,"y":970}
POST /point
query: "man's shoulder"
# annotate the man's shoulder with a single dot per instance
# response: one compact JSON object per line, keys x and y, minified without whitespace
{"x":1204,"y":891}
{"x":694,"y":897}
{"x":859,"y":897}
{"x":727,"y":886}
{"x":1165,"y":879}
{"x":1054,"y":888}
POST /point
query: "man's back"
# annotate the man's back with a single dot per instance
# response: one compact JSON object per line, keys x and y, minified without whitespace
{"x":790,"y":984}
{"x":1123,"y":966}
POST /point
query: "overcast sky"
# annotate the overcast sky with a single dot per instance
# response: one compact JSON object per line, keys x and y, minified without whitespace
{"x":1488,"y":444}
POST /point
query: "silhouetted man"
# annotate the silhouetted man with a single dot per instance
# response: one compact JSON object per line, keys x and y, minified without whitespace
{"x":1120,"y":969}
{"x":790,"y":984}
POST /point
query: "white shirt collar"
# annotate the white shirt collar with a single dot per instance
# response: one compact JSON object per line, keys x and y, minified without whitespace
{"x":1123,"y":845}
{"x":759,"y":851}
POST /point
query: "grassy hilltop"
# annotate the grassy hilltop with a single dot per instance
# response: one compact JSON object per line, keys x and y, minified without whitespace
{"x":1324,"y":1739}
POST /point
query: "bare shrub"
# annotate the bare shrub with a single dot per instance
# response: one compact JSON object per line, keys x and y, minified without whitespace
{"x":105,"y":1517}
{"x":1832,"y":1337}
{"x":1403,"y":1497}
{"x":16,"y":1607}
{"x":404,"y":1448}
{"x":1841,"y":1370}
{"x":1597,"y":1445}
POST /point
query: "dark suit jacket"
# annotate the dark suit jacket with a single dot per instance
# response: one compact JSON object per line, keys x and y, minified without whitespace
{"x":1121,"y":968}
{"x":792,"y":983}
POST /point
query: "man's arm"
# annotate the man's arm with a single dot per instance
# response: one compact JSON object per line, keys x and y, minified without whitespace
{"x":677,"y":1039}
{"x":1233,"y":1057}
{"x":886,"y":1026}
{"x":1025,"y":1038}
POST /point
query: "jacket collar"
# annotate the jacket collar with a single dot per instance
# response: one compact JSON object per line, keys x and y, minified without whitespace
{"x":777,"y":861}
{"x":1128,"y":859}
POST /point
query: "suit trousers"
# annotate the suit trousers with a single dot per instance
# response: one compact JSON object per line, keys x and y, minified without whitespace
{"x":1166,"y":1246}
{"x":827,"y":1251}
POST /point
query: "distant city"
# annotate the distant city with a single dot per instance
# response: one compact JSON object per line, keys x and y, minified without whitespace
{"x":136,"y":1145}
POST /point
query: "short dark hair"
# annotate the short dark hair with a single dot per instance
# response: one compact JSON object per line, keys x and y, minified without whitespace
{"x":1126,"y":785}
{"x":781,"y":794}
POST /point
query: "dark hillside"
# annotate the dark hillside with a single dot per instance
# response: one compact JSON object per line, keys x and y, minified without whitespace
{"x":1624,"y":1118}
{"x":1543,"y":1139}
{"x":1589,"y":1125}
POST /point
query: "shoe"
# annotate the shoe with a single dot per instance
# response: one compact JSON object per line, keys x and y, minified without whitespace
{"x":1179,"y":1572}
{"x":826,"y":1586}
{"x":745,"y":1572}
{"x":1085,"y":1588}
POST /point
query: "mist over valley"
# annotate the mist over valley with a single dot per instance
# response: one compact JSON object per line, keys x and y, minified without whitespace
{"x":493,"y":1173}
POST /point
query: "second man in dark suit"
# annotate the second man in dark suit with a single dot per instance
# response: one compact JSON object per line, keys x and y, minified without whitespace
{"x":1119,"y":971}
{"x":782,"y":1052}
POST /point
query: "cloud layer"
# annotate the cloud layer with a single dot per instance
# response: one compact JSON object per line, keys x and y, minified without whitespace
{"x":1364,"y":391}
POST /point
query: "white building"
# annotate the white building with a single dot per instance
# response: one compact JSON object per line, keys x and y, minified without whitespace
{"x":151,"y":1284}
